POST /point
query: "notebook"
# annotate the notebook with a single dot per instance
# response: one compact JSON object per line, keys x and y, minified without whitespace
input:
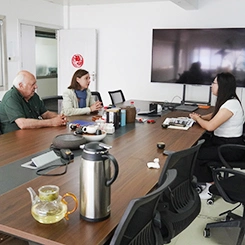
{"x":82,"y":122}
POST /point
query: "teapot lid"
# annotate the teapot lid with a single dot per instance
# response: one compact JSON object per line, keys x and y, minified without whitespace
{"x":96,"y":147}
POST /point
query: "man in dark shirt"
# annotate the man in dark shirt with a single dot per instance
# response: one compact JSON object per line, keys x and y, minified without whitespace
{"x":21,"y":107}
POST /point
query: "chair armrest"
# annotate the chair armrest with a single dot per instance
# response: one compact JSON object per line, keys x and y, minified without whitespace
{"x":223,"y":149}
{"x":228,"y":173}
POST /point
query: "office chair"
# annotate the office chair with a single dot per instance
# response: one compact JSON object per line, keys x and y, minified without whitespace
{"x":229,"y":184}
{"x":239,"y":162}
{"x":180,"y":203}
{"x":116,"y":96}
{"x":53,"y":103}
{"x":97,"y":96}
{"x":223,"y":152}
{"x":137,"y":223}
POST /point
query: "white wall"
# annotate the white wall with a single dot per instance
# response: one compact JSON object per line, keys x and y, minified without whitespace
{"x":40,"y":12}
{"x":47,"y":87}
{"x":125,"y":36}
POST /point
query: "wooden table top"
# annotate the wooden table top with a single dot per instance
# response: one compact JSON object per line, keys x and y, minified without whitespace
{"x":132,"y":150}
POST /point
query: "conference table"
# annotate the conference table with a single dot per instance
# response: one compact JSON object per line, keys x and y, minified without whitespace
{"x":133,"y":146}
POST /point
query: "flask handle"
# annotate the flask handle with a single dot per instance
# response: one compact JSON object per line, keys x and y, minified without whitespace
{"x":69,"y":194}
{"x":116,"y":169}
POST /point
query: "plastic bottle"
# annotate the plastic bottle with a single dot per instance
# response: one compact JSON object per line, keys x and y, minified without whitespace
{"x":131,"y":113}
{"x":123,"y":117}
{"x":104,"y":112}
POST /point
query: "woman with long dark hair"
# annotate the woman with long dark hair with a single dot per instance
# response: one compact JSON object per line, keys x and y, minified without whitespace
{"x":224,"y":126}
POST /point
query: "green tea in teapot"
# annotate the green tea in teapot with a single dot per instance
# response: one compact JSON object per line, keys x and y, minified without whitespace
{"x":49,"y":207}
{"x":48,"y":192}
{"x":49,"y":213}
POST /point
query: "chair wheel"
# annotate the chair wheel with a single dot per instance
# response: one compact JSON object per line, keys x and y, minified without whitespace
{"x":210,"y":201}
{"x":206,"y":232}
{"x":199,"y":189}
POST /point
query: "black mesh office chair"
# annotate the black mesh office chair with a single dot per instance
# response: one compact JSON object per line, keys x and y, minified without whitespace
{"x":229,"y":184}
{"x":180,"y":204}
{"x":226,"y":161}
{"x":53,"y":103}
{"x":97,"y":96}
{"x":116,"y":96}
{"x":137,"y":224}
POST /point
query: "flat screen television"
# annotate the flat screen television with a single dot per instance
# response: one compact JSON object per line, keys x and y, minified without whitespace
{"x":195,"y":56}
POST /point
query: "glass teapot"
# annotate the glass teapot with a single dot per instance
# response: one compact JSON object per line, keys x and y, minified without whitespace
{"x":49,"y":207}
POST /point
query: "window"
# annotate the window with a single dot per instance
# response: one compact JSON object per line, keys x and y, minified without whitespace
{"x":3,"y":61}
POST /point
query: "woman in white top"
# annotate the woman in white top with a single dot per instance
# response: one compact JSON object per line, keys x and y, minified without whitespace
{"x":77,"y":99}
{"x":225,"y":123}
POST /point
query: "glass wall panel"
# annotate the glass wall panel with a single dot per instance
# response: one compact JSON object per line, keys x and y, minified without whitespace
{"x":46,"y":56}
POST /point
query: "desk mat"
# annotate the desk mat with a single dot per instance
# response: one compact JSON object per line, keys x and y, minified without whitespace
{"x":13,"y":175}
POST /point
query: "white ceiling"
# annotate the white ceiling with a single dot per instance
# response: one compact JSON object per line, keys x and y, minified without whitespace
{"x":186,"y":4}
{"x":91,"y":2}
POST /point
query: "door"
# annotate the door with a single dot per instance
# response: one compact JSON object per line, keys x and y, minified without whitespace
{"x":77,"y":49}
{"x":27,"y":42}
{"x":32,"y":59}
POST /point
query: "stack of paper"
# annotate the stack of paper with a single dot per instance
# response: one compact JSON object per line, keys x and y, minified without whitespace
{"x":182,"y":123}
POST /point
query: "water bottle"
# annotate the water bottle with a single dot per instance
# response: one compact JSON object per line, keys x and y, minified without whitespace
{"x":123,"y":117}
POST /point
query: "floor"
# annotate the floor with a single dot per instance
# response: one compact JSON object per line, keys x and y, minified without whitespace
{"x":193,"y":235}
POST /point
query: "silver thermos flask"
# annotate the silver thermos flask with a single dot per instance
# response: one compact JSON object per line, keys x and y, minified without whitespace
{"x":95,"y":181}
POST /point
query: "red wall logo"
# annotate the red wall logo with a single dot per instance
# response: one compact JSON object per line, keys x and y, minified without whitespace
{"x":77,"y":60}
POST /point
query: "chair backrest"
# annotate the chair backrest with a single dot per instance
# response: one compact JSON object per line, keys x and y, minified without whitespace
{"x":180,"y":203}
{"x":116,"y":96}
{"x":229,"y":184}
{"x":97,"y":96}
{"x":230,"y":160}
{"x":231,"y":156}
{"x":137,"y":226}
{"x":53,"y":103}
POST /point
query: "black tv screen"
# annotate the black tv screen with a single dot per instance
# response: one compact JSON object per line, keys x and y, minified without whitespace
{"x":195,"y":56}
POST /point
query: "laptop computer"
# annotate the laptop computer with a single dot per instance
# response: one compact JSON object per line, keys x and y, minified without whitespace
{"x":189,"y":108}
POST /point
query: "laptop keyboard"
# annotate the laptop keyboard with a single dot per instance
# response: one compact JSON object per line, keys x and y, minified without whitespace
{"x":189,"y":108}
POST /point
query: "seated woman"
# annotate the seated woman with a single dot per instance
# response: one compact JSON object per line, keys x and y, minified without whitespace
{"x":77,"y":99}
{"x":225,"y":126}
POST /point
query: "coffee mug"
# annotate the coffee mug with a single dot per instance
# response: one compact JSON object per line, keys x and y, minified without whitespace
{"x":90,"y":129}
